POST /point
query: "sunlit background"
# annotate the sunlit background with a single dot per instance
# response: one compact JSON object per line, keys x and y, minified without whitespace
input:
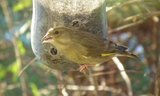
{"x":133,"y":23}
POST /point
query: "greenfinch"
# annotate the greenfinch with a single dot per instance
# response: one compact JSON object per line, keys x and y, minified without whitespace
{"x":82,"y":47}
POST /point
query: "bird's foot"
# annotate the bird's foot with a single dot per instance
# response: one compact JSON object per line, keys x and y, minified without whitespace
{"x":84,"y":67}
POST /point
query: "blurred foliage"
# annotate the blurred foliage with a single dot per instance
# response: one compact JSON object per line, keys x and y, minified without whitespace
{"x":21,"y":5}
{"x":134,"y":23}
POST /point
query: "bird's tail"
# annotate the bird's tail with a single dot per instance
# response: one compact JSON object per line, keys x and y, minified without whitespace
{"x":117,"y":50}
{"x":126,"y":54}
{"x":123,"y":51}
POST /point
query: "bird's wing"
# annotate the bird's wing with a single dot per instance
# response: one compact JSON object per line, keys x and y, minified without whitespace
{"x":96,"y":46}
{"x":93,"y":44}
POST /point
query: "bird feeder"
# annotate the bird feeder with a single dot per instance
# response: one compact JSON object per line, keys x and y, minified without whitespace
{"x":86,"y":15}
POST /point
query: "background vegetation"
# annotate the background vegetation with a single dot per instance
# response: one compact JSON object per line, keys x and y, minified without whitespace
{"x":134,"y":23}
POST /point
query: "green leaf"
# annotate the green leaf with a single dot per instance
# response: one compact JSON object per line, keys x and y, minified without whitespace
{"x":21,"y":47}
{"x":23,"y":4}
{"x":3,"y":72}
{"x":35,"y":90}
{"x":15,"y":68}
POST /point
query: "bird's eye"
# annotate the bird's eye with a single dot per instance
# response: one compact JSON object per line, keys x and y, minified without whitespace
{"x":53,"y":51}
{"x":56,"y":32}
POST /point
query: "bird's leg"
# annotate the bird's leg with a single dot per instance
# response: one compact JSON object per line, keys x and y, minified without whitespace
{"x":84,"y":67}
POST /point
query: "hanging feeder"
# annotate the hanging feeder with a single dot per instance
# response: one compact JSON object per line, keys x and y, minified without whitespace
{"x":86,"y":15}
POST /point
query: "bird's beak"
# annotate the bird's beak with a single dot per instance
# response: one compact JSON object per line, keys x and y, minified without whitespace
{"x":47,"y":38}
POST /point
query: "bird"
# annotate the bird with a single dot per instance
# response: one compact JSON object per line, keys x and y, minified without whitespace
{"x":84,"y":48}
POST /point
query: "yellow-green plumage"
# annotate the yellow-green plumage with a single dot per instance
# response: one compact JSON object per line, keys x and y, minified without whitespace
{"x":83,"y":47}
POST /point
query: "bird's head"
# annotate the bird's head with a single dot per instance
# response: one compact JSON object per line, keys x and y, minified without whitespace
{"x":57,"y":36}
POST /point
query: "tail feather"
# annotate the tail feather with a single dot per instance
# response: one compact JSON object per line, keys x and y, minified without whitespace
{"x":121,"y":48}
{"x":123,"y":51}
{"x":113,"y":46}
{"x":118,"y":50}
{"x":127,"y":54}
